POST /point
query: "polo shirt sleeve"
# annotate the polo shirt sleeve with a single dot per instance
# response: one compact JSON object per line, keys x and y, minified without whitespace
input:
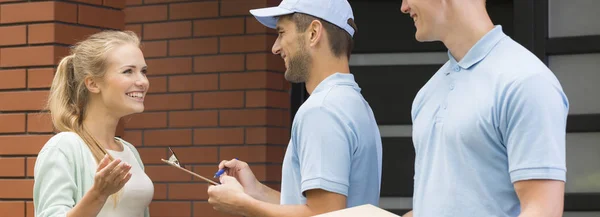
{"x":324,"y":149}
{"x":536,"y":110}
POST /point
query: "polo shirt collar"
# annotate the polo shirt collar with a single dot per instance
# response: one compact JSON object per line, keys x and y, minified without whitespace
{"x":337,"y":78}
{"x":480,"y":49}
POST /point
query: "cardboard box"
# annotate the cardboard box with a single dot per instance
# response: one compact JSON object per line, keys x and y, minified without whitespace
{"x":367,"y":210}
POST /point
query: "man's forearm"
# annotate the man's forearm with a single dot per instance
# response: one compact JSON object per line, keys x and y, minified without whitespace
{"x":408,"y":214}
{"x":267,"y":194}
{"x":257,"y":208}
{"x":540,"y":211}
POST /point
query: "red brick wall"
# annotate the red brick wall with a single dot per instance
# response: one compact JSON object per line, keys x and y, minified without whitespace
{"x":216,"y":91}
{"x":33,"y":38}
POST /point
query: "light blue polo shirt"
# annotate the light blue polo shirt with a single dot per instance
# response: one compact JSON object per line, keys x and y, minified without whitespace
{"x":496,"y":117}
{"x":335,"y":145}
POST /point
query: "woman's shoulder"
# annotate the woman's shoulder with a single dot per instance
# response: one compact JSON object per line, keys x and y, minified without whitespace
{"x":67,"y":144}
{"x":65,"y":141}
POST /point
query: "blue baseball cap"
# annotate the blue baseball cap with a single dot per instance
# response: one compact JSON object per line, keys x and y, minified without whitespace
{"x":337,"y":12}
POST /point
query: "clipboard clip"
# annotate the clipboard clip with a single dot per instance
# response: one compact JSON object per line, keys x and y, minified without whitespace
{"x":174,"y":161}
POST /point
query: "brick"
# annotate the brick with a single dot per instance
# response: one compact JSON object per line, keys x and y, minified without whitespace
{"x":145,"y":13}
{"x":220,"y":63}
{"x":153,"y":155}
{"x":267,"y":135}
{"x":254,"y":117}
{"x":188,"y":191}
{"x":250,"y":154}
{"x":226,"y":99}
{"x":164,"y":1}
{"x":101,"y":17}
{"x":265,"y":61}
{"x":39,"y":123}
{"x":170,"y":208}
{"x":193,"y":118}
{"x":147,"y":120}
{"x":137,"y":28}
{"x":12,"y":123}
{"x":220,"y":136}
{"x":32,"y":56}
{"x":240,"y":7}
{"x":166,"y":173}
{"x":162,"y":102}
{"x":193,"y":155}
{"x":253,"y":26}
{"x":30,"y":165}
{"x":22,"y":144}
{"x":14,"y":167}
{"x":251,"y":80}
{"x":275,"y":154}
{"x":154,"y":48}
{"x":16,"y":188}
{"x":223,"y":26}
{"x":157,"y":84}
{"x":12,"y":79}
{"x":5,"y":1}
{"x":167,"y":137}
{"x":120,"y":4}
{"x":202,"y":209}
{"x":13,"y":101}
{"x":94,"y":2}
{"x":273,"y":173}
{"x":12,"y":208}
{"x":29,"y":208}
{"x":38,"y":11}
{"x":267,"y":98}
{"x":193,"y":10}
{"x":168,"y":66}
{"x":193,"y":83}
{"x":40,"y":77}
{"x":160,"y":192}
{"x":133,"y":136}
{"x":206,"y":171}
{"x":251,"y":117}
{"x":133,"y":2}
{"x":260,"y":172}
{"x":12,"y":35}
{"x":193,"y":46}
{"x":251,"y":43}
{"x":179,"y":29}
{"x":58,"y":33}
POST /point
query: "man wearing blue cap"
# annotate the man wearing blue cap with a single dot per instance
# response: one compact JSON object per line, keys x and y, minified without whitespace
{"x":489,"y":126}
{"x":333,"y":160}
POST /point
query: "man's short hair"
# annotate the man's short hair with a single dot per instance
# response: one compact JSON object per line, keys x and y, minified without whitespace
{"x":340,"y":40}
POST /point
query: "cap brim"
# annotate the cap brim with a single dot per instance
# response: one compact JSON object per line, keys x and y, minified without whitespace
{"x":268,"y":16}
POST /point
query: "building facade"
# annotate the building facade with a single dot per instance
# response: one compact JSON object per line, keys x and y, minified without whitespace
{"x":217,"y":92}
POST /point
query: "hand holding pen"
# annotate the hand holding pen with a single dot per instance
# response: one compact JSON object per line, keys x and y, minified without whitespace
{"x":242,"y":172}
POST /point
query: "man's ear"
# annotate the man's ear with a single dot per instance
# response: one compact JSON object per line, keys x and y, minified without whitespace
{"x":92,"y":85}
{"x":315,"y":32}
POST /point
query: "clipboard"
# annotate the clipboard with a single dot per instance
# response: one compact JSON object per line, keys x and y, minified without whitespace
{"x":174,"y":161}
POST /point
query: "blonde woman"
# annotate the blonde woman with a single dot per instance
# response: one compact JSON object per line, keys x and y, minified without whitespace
{"x":85,"y":170}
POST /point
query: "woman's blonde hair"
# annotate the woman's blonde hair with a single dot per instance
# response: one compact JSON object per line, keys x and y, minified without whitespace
{"x":68,"y":94}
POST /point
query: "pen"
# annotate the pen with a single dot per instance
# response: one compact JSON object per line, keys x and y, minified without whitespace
{"x":221,"y":171}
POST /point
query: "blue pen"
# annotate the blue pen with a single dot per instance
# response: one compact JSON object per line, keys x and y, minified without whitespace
{"x":221,"y":171}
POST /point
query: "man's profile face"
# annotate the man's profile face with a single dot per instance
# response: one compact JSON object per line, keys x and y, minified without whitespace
{"x":292,"y":47}
{"x":427,"y":16}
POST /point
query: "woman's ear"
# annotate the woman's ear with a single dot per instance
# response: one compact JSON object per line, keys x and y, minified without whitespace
{"x":92,"y":85}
